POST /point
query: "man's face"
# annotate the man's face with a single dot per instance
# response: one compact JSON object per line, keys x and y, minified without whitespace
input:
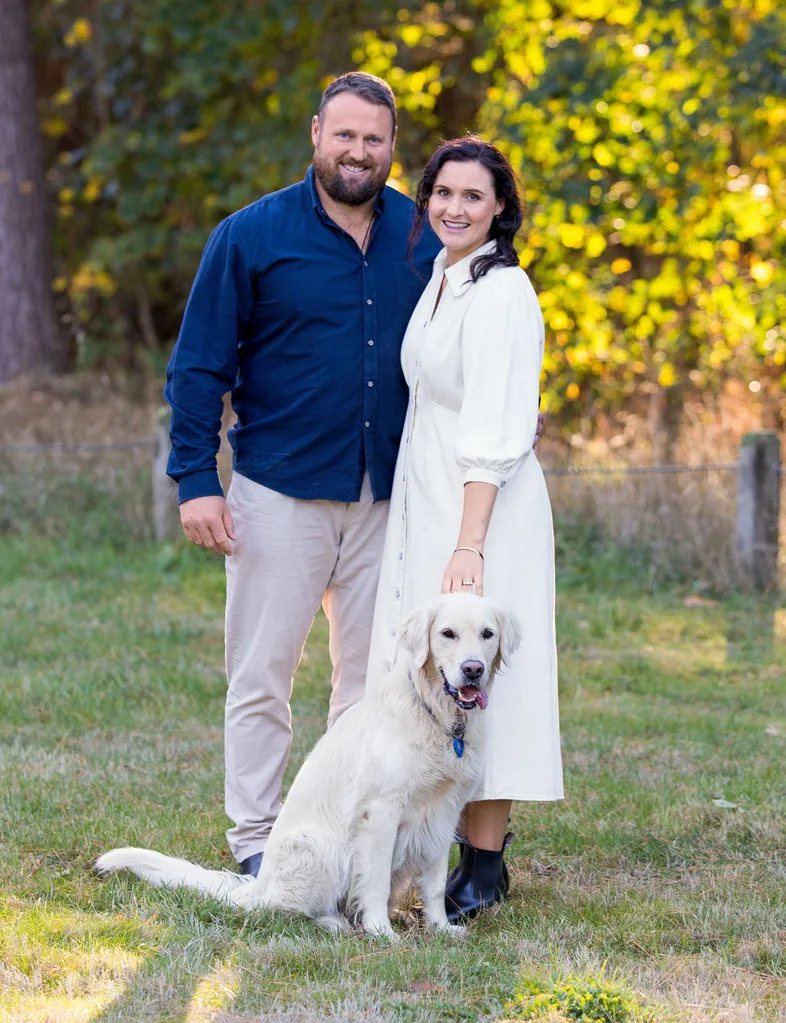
{"x":353,"y":149}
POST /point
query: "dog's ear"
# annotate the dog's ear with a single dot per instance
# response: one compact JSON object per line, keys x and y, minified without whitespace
{"x":509,"y":635}
{"x":414,"y":633}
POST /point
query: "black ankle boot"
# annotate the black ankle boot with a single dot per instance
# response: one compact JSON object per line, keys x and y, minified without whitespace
{"x":480,"y":879}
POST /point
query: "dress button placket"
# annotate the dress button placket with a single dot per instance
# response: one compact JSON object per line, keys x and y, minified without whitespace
{"x":399,"y":583}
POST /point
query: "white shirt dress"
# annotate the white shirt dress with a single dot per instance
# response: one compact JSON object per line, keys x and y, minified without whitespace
{"x":473,"y":370}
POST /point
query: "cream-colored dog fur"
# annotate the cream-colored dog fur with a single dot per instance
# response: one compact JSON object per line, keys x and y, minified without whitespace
{"x":375,"y":805}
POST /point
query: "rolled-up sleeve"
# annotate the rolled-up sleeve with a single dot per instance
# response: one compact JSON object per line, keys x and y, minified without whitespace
{"x":502,"y":352}
{"x":204,"y":362}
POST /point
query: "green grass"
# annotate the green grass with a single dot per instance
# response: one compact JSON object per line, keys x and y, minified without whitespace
{"x":110,"y":721}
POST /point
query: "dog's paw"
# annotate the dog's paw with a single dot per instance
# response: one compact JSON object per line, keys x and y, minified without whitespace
{"x":381,"y":930}
{"x":334,"y":923}
{"x":451,"y":930}
{"x":248,"y":896}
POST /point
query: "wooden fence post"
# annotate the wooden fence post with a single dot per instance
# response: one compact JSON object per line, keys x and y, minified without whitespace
{"x":758,"y":508}
{"x":166,"y":517}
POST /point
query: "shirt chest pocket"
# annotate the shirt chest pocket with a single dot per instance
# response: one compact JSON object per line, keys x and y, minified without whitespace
{"x":409,"y":287}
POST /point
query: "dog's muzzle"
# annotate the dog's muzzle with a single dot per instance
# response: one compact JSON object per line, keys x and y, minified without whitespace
{"x":467,"y":696}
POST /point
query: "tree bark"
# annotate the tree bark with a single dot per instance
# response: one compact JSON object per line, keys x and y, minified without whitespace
{"x":28,"y":326}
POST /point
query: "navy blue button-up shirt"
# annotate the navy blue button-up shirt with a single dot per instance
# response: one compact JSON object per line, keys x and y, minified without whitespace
{"x":306,"y":330}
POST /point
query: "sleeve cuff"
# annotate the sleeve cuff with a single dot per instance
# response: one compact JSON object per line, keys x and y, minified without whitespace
{"x":199,"y":484}
{"x":484,"y":476}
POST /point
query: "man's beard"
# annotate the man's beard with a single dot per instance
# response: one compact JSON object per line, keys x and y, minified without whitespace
{"x":345,"y":191}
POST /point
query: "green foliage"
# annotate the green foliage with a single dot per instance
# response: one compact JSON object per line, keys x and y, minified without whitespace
{"x":164,"y":116}
{"x":649,"y":136}
{"x":585,"y":1001}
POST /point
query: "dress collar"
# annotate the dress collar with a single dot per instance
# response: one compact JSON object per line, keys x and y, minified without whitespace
{"x":458,"y":275}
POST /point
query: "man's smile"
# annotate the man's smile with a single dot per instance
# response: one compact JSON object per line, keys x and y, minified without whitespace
{"x":353,"y":170}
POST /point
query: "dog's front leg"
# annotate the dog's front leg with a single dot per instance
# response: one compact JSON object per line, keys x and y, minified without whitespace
{"x":372,"y":866}
{"x":431,"y":883}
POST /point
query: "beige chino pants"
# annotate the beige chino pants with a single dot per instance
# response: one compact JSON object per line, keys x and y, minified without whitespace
{"x":289,"y":556}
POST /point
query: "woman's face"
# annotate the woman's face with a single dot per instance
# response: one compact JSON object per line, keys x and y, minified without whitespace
{"x":461,"y":207}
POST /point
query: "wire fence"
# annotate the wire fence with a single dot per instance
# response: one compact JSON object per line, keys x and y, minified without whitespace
{"x":606,"y":470}
{"x":641,"y":470}
{"x":699,"y":524}
{"x":86,"y":447}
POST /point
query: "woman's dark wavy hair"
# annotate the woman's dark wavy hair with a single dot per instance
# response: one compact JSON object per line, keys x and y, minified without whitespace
{"x":504,"y":226}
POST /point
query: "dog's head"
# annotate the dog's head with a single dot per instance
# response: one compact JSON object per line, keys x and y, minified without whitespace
{"x":458,"y":644}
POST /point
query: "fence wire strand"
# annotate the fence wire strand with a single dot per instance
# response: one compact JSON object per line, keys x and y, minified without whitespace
{"x":80,"y":446}
{"x":619,"y":470}
{"x":642,"y":470}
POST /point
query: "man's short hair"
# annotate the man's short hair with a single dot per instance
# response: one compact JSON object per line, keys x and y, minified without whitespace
{"x":368,"y":87}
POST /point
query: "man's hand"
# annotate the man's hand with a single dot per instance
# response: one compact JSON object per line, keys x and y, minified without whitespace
{"x":207,"y":522}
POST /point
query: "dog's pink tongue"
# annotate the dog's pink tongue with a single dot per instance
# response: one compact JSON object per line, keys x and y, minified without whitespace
{"x":469,"y":694}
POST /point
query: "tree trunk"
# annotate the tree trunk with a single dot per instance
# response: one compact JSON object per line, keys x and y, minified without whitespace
{"x":665,"y":417}
{"x":28,"y":327}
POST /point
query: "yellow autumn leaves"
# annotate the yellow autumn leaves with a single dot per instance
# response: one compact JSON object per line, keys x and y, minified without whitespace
{"x":81,"y":32}
{"x":579,"y":236}
{"x":88,"y":278}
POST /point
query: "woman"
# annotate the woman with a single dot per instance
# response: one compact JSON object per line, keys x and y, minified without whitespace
{"x":470,"y":509}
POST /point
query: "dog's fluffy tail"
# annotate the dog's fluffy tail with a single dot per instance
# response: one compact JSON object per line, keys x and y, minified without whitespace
{"x":170,"y":872}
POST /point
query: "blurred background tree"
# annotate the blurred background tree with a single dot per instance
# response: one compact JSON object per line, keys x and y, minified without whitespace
{"x":28,"y":331}
{"x":649,"y":135}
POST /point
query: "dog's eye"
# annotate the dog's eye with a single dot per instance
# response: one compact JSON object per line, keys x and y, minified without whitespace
{"x":488,"y":633}
{"x":448,"y":633}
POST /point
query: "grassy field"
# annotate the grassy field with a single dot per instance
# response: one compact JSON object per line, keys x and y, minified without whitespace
{"x":663,"y":874}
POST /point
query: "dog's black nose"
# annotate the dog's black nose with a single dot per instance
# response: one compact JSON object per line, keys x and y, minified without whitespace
{"x":472,"y":670}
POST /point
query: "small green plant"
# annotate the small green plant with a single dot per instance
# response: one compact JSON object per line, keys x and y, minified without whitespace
{"x":574,"y":999}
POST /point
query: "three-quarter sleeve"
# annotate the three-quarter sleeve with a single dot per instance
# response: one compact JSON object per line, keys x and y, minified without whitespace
{"x":502,"y":351}
{"x":204,"y":362}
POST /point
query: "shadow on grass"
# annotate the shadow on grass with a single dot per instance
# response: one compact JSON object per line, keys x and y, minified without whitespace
{"x":215,"y":958}
{"x":173,"y":976}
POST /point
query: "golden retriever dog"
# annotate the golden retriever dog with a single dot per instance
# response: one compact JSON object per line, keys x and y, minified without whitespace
{"x":375,"y":805}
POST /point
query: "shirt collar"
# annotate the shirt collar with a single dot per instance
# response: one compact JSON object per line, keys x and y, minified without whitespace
{"x":458,"y":275}
{"x":316,"y":202}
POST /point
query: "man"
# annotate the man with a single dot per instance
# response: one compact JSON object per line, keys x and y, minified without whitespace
{"x":299,"y":307}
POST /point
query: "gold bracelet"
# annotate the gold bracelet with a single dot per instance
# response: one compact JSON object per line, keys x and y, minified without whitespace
{"x":473,"y":549}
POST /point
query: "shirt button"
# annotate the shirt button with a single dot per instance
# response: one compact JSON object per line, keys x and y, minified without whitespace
{"x":401,"y":556}
{"x":368,"y":301}
{"x":367,"y":424}
{"x":502,"y":484}
{"x":371,"y":383}
{"x":398,"y":593}
{"x":371,"y":341}
{"x":365,"y":263}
